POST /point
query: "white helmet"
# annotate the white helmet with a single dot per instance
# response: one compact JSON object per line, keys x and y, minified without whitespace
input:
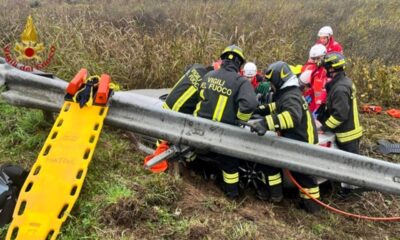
{"x":325,"y":32}
{"x":249,"y":69}
{"x":317,"y":50}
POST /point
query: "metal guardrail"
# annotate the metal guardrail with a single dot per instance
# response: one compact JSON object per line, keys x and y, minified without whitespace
{"x":30,"y":90}
{"x":143,"y":115}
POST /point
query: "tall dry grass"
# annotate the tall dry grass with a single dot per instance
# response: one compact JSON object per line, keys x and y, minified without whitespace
{"x":146,"y":44}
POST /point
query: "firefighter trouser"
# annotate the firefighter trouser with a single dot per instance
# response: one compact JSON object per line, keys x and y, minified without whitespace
{"x":308,"y":183}
{"x":272,"y":175}
{"x":230,"y":173}
{"x":352,"y":146}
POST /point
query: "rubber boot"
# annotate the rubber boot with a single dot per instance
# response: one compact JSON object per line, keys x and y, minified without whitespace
{"x":310,"y":206}
{"x":263,"y":193}
{"x":276,"y":193}
{"x":232,"y":190}
{"x":272,"y":194}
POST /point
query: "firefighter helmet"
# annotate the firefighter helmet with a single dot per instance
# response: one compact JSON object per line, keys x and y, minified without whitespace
{"x":233,"y":53}
{"x":278,"y":73}
{"x":335,"y":61}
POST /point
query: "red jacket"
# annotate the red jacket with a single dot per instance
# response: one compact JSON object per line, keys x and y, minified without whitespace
{"x":317,"y":81}
{"x":332,"y":46}
{"x":254,"y":82}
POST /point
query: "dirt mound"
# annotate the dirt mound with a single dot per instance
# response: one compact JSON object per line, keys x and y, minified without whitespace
{"x":198,"y":232}
{"x":195,"y":208}
{"x":127,"y":213}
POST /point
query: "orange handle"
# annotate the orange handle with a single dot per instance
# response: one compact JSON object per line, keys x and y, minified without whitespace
{"x":103,"y":89}
{"x":77,"y":81}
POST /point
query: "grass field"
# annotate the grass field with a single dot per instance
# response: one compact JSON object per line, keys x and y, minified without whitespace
{"x":146,"y":44}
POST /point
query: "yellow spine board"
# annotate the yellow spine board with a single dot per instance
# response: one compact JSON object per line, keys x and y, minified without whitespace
{"x":56,"y":179}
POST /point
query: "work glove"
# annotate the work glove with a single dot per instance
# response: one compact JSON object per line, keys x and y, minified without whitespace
{"x":261,"y":109}
{"x":258,"y":126}
{"x":263,"y":88}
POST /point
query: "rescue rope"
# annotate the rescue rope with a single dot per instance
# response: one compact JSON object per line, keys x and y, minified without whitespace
{"x":338,"y":211}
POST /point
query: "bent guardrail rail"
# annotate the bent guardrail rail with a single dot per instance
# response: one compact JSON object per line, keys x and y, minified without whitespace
{"x":142,"y":114}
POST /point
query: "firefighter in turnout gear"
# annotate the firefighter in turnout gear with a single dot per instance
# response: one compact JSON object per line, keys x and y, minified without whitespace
{"x":340,"y":114}
{"x":227,"y":97}
{"x":289,"y":115}
{"x":185,"y":95}
{"x":182,"y":98}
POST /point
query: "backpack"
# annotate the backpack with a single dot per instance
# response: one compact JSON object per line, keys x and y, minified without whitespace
{"x":12,"y":179}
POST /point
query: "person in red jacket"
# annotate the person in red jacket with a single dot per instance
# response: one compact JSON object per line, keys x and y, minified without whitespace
{"x":250,"y":72}
{"x":261,"y":87}
{"x":325,"y":35}
{"x":313,"y":77}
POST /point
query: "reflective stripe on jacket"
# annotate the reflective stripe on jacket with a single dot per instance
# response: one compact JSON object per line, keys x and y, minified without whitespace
{"x":341,"y":111}
{"x":225,"y":96}
{"x":289,"y":114}
{"x":185,"y":95}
